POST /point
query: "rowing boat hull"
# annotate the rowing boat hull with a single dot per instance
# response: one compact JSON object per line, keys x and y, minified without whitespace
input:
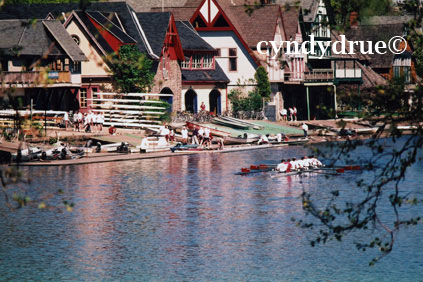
{"x":229,"y":140}
{"x":215,"y":132}
{"x":300,"y":141}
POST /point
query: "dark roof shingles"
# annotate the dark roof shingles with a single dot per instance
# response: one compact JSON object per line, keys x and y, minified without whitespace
{"x":376,"y":33}
{"x":155,"y":26}
{"x":65,"y":40}
{"x":101,"y":19}
{"x":190,"y":39}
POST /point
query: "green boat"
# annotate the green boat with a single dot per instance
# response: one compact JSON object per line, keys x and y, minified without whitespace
{"x":233,"y":124}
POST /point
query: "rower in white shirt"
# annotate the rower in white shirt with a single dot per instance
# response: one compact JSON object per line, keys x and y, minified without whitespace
{"x":294,"y":164}
{"x":282,"y":167}
{"x":315,"y":162}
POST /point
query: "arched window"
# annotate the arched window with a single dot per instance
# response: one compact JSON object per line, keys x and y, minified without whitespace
{"x":76,"y":39}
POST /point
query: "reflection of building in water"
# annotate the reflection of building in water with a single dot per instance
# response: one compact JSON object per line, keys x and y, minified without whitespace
{"x":94,"y":218}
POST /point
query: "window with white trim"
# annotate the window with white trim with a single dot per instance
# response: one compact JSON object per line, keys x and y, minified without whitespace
{"x":83,"y":97}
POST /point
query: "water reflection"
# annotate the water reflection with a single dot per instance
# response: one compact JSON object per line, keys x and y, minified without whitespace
{"x":180,"y":218}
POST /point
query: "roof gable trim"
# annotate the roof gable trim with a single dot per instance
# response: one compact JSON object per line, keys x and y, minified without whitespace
{"x":75,"y":16}
{"x":143,"y":36}
{"x":210,"y":25}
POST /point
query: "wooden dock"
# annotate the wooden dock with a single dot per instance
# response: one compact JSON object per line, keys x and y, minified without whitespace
{"x":93,"y":158}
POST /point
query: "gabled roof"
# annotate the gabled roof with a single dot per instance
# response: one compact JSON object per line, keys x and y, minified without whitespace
{"x":124,"y":18}
{"x":65,"y":41}
{"x":374,"y":33}
{"x":93,"y":32}
{"x":309,"y":7}
{"x":213,"y":76}
{"x":39,"y":11}
{"x":190,"y":39}
{"x":43,"y":38}
{"x":290,"y":21}
{"x":114,"y":18}
{"x":110,"y":26}
{"x":180,"y":13}
{"x":35,"y":11}
{"x":154,"y":26}
{"x":146,"y":5}
{"x":235,"y":18}
{"x":258,"y":26}
{"x":370,"y":77}
{"x":335,"y":36}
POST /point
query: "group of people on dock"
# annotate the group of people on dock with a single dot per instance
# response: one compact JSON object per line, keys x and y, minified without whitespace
{"x":293,"y":164}
{"x":200,"y":136}
{"x":88,"y":122}
{"x":280,"y":137}
{"x":292,"y":111}
{"x":168,"y":133}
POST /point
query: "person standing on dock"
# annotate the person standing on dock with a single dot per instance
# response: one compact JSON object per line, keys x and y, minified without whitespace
{"x":291,"y":113}
{"x":195,"y":136}
{"x":80,"y":120}
{"x":305,"y":129}
{"x":66,"y":120}
{"x":294,"y":113}
{"x":164,"y":131}
{"x":206,"y":137}
{"x":200,"y":135}
{"x":184,"y":133}
{"x":76,"y":121}
{"x":284,"y":114}
{"x":101,"y":121}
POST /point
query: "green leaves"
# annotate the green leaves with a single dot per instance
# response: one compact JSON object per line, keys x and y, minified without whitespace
{"x":263,"y":84}
{"x":131,"y":70}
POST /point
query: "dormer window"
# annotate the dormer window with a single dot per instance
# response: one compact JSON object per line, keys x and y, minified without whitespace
{"x":199,"y":61}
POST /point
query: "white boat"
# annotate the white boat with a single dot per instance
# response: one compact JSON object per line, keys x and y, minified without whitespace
{"x":154,"y":144}
{"x":28,"y":154}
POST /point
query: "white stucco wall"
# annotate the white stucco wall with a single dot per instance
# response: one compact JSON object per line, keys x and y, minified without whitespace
{"x":246,"y":67}
{"x":96,"y":65}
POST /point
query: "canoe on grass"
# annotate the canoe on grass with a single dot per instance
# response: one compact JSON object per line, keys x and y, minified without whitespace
{"x":233,"y":124}
{"x":250,"y":124}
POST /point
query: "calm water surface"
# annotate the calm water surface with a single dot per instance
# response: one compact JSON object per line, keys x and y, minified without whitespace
{"x":188,"y":218}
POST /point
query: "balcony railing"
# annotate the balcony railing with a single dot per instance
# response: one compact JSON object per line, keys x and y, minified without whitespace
{"x":36,"y":77}
{"x":318,"y":76}
{"x":294,"y":77}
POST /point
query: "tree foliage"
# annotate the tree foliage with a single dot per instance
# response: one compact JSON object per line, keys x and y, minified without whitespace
{"x":364,"y":8}
{"x":263,"y":84}
{"x":388,"y":108}
{"x":241,"y":103}
{"x":131,"y":70}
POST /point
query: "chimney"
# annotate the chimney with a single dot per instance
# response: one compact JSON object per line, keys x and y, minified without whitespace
{"x":353,"y":19}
